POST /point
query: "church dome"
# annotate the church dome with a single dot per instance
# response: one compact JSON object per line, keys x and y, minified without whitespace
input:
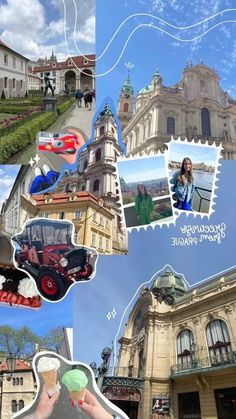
{"x":127,"y":87}
{"x":169,"y":284}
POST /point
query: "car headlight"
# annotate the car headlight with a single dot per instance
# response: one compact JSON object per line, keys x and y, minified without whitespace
{"x":63,"y":262}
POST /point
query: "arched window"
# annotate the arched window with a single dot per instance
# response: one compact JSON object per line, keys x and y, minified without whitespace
{"x":85,"y":164}
{"x":17,"y":381}
{"x":185,"y":348}
{"x":101,"y":130}
{"x":14,"y":381}
{"x":206,"y":126}
{"x":218,"y":341}
{"x":170,"y":129}
{"x":14,"y":406}
{"x":98,"y":154}
{"x":140,"y":364}
{"x":21,"y":404}
{"x":126,"y":107}
{"x":96,"y":185}
{"x":21,"y":381}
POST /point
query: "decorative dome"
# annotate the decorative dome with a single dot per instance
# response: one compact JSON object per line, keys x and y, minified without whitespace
{"x":168,"y":285}
{"x":127,"y":87}
{"x":146,"y":89}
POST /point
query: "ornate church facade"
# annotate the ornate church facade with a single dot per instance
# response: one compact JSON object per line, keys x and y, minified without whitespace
{"x":178,"y":352}
{"x":196,"y":107}
{"x":96,"y":174}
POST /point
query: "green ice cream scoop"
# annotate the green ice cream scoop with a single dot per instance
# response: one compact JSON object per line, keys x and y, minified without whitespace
{"x":75,"y":380}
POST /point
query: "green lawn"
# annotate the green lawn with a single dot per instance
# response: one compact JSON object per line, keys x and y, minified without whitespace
{"x":5,"y":115}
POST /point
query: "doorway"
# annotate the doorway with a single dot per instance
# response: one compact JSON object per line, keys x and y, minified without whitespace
{"x":129,"y":407}
{"x":226,"y":403}
{"x":189,"y":405}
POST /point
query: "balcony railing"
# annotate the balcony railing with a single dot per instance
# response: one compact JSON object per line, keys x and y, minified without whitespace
{"x":200,"y":363}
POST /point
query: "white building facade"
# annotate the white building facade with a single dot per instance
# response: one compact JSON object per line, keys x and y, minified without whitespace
{"x":13,"y":72}
{"x":196,"y":107}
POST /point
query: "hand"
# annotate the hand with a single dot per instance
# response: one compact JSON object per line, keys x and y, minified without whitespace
{"x":93,"y":408}
{"x":46,"y":404}
{"x":79,"y":142}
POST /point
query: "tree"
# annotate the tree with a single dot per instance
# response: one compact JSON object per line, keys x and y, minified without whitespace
{"x":19,"y":342}
{"x":53,"y":341}
{"x":3,"y":96}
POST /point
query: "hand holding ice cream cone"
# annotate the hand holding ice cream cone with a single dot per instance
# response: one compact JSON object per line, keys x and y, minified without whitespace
{"x":48,"y":367}
{"x":76,"y":382}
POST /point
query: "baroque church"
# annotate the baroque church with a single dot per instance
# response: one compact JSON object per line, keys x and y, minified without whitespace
{"x":196,"y":107}
{"x":97,"y":174}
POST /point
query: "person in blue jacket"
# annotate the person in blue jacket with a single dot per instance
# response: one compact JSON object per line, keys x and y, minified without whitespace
{"x":184,"y":188}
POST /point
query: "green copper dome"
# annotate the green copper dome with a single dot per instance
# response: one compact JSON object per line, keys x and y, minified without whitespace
{"x":169,"y":284}
{"x":127,"y":87}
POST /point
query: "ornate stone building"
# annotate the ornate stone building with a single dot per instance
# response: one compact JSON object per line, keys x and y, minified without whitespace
{"x":196,"y":107}
{"x":97,"y":173}
{"x":17,"y":390}
{"x":178,"y":353}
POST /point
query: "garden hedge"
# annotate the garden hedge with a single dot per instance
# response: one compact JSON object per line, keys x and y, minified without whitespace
{"x":64,"y":106}
{"x":16,"y":141}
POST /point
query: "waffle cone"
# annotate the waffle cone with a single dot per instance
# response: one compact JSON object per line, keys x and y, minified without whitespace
{"x":49,"y":378}
{"x":78,"y":395}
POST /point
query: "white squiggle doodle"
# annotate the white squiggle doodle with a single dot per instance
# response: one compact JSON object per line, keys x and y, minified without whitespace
{"x":150,"y":25}
{"x":135,"y":15}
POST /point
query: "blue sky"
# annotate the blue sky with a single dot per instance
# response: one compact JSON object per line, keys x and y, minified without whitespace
{"x":149,"y":49}
{"x":40,"y":321}
{"x":118,"y":277}
{"x":8,"y":175}
{"x":35,"y":27}
{"x":197,"y":154}
{"x":139,"y":170}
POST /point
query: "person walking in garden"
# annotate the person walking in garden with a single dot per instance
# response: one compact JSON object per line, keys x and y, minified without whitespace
{"x":79,"y":96}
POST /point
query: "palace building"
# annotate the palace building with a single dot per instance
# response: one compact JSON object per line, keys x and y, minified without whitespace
{"x":196,"y":107}
{"x":177,"y":355}
{"x":72,"y":74}
{"x":13,"y":72}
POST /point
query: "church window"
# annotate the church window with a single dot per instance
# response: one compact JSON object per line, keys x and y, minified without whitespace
{"x":98,"y":154}
{"x":21,"y":381}
{"x":96,"y":185}
{"x":14,"y":381}
{"x":126,"y":107}
{"x":14,"y":406}
{"x":170,"y":125}
{"x":218,"y":341}
{"x":17,"y":381}
{"x":185,"y":348}
{"x":205,"y":118}
{"x":21,"y":404}
{"x":102,"y":130}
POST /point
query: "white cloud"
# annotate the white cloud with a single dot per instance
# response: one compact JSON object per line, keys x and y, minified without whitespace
{"x":87,"y":32}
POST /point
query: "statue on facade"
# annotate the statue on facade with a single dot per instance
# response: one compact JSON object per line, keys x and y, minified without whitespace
{"x":47,"y":81}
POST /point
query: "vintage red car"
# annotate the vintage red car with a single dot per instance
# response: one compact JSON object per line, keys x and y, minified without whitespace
{"x":59,"y":143}
{"x":45,"y":250}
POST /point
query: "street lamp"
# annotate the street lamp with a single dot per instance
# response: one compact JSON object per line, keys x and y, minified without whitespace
{"x":11,"y":363}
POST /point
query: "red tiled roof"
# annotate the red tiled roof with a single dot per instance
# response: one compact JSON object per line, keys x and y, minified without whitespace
{"x":20,"y":365}
{"x":75,"y":61}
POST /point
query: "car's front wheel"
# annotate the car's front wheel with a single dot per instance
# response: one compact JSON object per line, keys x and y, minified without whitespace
{"x":51,"y":284}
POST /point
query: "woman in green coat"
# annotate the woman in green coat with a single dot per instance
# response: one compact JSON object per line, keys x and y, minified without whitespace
{"x":143,"y":205}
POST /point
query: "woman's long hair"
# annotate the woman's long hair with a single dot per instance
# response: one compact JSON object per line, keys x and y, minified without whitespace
{"x":182,"y":174}
{"x":145,"y":195}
